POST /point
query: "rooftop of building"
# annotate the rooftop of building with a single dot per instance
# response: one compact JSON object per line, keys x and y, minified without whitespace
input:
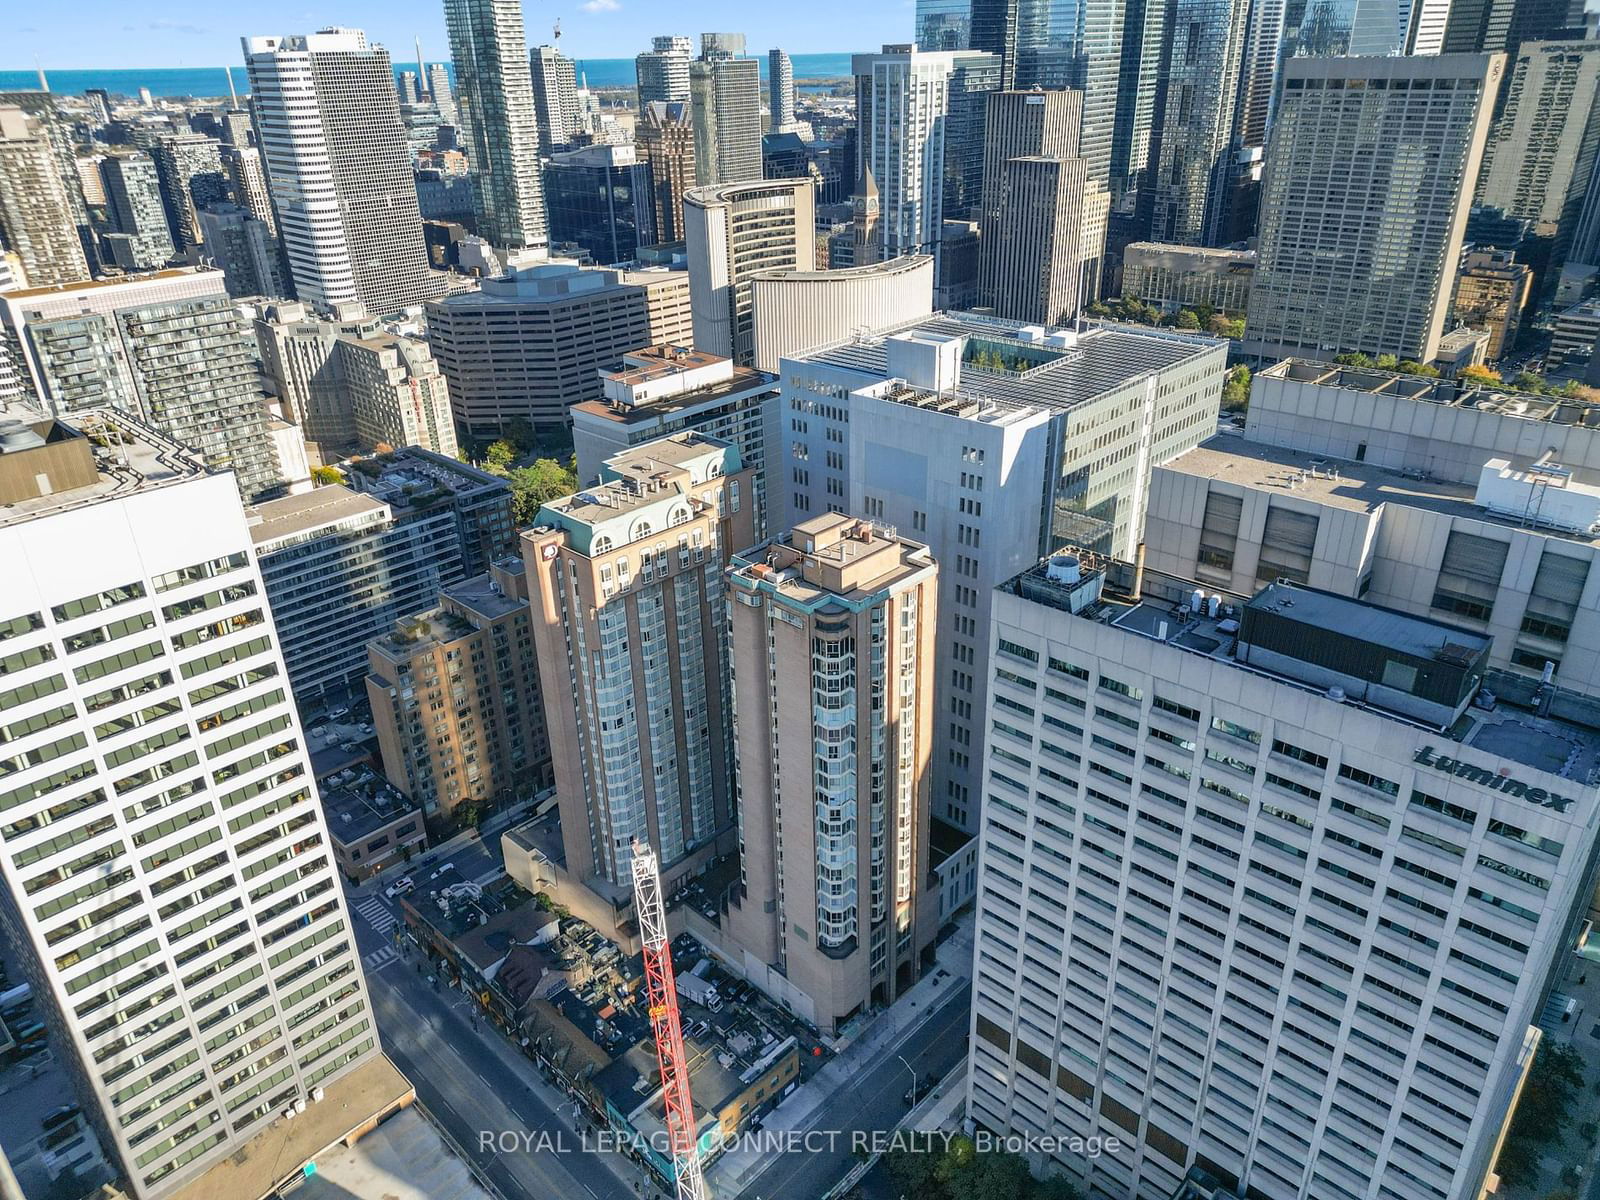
{"x":102,"y":455}
{"x":945,"y":839}
{"x":84,"y":285}
{"x":554,"y":281}
{"x":1013,"y":367}
{"x":832,"y":557}
{"x":405,"y":1158}
{"x":1496,"y":398}
{"x":658,"y":381}
{"x":1343,"y":483}
{"x":278,"y":1154}
{"x":1342,"y":649}
{"x":1225,"y":254}
{"x":657,"y":472}
{"x":358,"y":802}
{"x":414,"y":477}
{"x":905,"y":264}
{"x":305,"y":512}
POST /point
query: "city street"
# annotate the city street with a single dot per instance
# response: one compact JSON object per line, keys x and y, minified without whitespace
{"x":472,"y":1079}
{"x":873,"y":1103}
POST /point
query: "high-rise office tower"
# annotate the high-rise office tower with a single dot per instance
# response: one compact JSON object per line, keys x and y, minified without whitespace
{"x":944,"y":24}
{"x":1364,"y":258}
{"x":441,"y":93}
{"x":1491,"y":293}
{"x":725,"y":101}
{"x":663,"y":70}
{"x":1307,"y":940}
{"x":1540,"y":158}
{"x":494,"y":98}
{"x":455,"y":696}
{"x":731,"y":233}
{"x":1184,"y":196}
{"x":166,"y":867}
{"x":555,"y":98}
{"x":245,"y":250}
{"x":1107,"y":49}
{"x":936,"y":430}
{"x":974,"y":76}
{"x":247,"y":184}
{"x":339,"y":170}
{"x":531,"y":343}
{"x":410,"y":88}
{"x":142,"y":240}
{"x":1043,"y":217}
{"x":902,"y":98}
{"x":36,"y":213}
{"x":992,"y":28}
{"x":780,"y":91}
{"x":190,"y":170}
{"x":663,"y":136}
{"x":169,"y":349}
{"x":630,"y":624}
{"x":600,"y":198}
{"x":832,"y":628}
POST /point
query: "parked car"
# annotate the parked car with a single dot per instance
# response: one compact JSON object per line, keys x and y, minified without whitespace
{"x":400,"y":887}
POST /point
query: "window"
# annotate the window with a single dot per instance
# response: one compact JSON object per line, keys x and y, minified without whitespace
{"x":1553,"y":600}
{"x":1469,"y":575}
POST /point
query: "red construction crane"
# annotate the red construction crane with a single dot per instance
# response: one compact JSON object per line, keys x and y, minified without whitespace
{"x":662,"y":992}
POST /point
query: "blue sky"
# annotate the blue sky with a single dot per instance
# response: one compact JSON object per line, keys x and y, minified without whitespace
{"x":147,"y":33}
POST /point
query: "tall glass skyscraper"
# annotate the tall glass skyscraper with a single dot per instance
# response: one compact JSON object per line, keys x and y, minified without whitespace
{"x":494,"y":96}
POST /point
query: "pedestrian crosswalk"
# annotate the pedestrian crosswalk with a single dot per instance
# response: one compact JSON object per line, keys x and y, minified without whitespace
{"x":381,"y":958}
{"x":376,"y":914}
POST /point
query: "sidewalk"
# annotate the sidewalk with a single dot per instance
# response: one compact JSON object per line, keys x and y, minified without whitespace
{"x":729,"y":1174}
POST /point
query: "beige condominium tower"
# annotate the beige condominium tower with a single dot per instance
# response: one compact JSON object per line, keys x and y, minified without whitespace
{"x":630,"y":626}
{"x":833,"y":629}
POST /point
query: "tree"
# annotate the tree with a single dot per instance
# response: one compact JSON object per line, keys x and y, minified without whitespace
{"x":1554,"y":1081}
{"x":322,"y":476}
{"x":1527,"y":381}
{"x":520,"y":433}
{"x":1353,"y":360}
{"x":1228,"y":327}
{"x":1480,"y":375}
{"x":1408,"y":367}
{"x":497,"y":459}
{"x":1187,"y":319}
{"x":534,"y":486}
{"x":1236,"y":391}
{"x":1386,"y":362}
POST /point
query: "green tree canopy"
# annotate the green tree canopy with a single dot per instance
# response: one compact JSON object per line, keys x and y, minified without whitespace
{"x":533,"y":486}
{"x":321,"y":476}
{"x":498,"y":458}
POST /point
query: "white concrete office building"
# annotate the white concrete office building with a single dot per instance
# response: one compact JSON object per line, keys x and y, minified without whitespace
{"x":733,"y":231}
{"x":1261,"y":891}
{"x":167,"y":875}
{"x":792,"y":311}
{"x":993,"y":442}
{"x":339,"y":169}
{"x":902,"y":99}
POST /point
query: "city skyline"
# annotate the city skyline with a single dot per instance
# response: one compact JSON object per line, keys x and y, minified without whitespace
{"x":106,"y":36}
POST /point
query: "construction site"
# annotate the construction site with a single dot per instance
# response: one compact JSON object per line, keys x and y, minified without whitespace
{"x":586,"y":1012}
